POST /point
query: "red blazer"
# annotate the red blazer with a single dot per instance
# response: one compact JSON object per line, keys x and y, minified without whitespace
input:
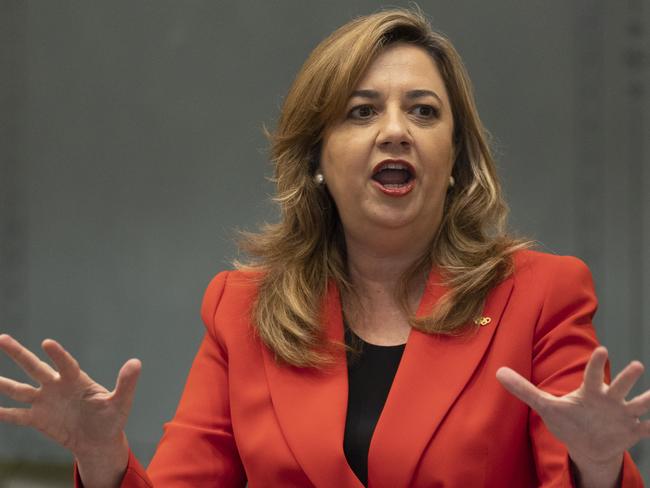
{"x":447,"y":421}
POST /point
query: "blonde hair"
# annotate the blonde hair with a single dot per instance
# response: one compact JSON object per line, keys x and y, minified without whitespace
{"x":302,"y":253}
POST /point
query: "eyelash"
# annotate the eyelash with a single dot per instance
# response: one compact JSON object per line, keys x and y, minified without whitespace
{"x":435,"y":112}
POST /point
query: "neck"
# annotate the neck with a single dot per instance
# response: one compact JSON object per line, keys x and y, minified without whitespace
{"x":375,"y":271}
{"x":377,"y":265}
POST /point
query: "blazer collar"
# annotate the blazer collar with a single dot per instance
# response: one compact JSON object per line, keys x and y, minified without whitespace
{"x":311,"y":405}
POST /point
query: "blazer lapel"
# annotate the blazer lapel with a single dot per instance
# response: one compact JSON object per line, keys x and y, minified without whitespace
{"x":432,"y":374}
{"x":311,"y":407}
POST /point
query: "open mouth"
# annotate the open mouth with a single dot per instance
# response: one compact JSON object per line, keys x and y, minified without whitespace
{"x":394,"y":177}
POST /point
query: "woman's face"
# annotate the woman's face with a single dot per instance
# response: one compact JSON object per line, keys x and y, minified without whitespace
{"x":387,"y":162}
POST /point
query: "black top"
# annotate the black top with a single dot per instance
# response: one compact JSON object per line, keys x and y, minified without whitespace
{"x":370,"y":375}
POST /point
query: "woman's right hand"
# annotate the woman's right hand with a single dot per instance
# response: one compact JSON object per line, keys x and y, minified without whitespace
{"x":70,"y":408}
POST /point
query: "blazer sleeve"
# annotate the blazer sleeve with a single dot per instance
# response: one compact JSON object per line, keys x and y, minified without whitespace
{"x":563,"y":342}
{"x":197,"y":447}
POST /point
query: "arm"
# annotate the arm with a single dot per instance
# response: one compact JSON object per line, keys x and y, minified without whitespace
{"x":585,"y":431}
{"x":198,"y":447}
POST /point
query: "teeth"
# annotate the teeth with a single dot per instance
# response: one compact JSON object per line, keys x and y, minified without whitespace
{"x":394,"y":166}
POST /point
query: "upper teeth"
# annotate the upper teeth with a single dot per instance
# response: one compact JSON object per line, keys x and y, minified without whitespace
{"x":394,"y":166}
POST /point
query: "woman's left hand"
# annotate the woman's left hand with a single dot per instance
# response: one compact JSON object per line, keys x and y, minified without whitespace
{"x":595,"y":422}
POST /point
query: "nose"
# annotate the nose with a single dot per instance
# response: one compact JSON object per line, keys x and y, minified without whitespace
{"x":394,"y":130}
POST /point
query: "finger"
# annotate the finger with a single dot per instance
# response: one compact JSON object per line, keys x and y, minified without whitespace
{"x":595,"y":370}
{"x":625,"y":380}
{"x":523,"y":389}
{"x":639,"y":405}
{"x":16,"y":416}
{"x":27,"y":360}
{"x":67,"y":366}
{"x":127,"y":380}
{"x":20,"y":392}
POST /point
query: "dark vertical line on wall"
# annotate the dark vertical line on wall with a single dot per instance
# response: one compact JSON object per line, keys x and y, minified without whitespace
{"x":589,"y":168}
{"x":13,"y":235}
{"x":610,"y":101}
{"x":635,"y":57}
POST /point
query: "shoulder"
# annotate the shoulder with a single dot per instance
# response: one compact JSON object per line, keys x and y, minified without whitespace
{"x":230,"y":288}
{"x":544,"y":267}
{"x":553,"y":285}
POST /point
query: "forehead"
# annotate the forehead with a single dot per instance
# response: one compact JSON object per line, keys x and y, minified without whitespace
{"x":403,"y":66}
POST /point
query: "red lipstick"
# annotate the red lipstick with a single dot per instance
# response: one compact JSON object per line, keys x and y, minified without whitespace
{"x":394,"y":177}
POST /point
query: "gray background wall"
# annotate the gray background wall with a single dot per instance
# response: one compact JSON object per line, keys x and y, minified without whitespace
{"x":131,"y":147}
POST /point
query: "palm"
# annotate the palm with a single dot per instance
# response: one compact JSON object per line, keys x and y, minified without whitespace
{"x":595,"y":421}
{"x":62,"y":406}
{"x":68,"y":406}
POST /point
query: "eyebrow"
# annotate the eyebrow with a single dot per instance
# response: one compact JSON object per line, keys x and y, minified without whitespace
{"x":410,"y":95}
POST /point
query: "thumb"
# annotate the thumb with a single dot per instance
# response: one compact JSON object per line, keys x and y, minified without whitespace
{"x":127,"y":380}
{"x":522,"y":388}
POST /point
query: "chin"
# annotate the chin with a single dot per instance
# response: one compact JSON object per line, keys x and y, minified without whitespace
{"x":392,"y":219}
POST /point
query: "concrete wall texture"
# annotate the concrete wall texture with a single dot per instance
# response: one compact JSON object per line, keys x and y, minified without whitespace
{"x":131,"y":148}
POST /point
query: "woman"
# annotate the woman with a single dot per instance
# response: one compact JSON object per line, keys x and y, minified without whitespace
{"x":391,"y":240}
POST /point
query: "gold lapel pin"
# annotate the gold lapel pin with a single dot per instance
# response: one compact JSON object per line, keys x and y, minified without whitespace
{"x":482,"y":321}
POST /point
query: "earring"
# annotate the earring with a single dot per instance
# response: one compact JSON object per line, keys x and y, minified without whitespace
{"x":319,"y":179}
{"x":452,"y":181}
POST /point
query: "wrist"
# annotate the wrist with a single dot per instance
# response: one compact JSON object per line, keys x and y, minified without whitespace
{"x":103,"y":466}
{"x":597,"y":473}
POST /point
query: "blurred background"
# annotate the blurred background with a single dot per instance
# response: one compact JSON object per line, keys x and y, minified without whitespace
{"x":131,"y":148}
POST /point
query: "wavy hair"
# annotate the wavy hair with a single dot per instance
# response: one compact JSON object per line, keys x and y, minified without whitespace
{"x":297,"y":257}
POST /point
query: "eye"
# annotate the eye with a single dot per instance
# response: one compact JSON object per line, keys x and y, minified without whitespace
{"x":426,"y":111}
{"x":361,"y":112}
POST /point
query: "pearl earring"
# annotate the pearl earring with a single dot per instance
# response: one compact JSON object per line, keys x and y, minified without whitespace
{"x":319,"y":179}
{"x":452,"y":181}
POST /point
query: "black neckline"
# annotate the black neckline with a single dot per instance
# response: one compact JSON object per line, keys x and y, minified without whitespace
{"x":370,"y":345}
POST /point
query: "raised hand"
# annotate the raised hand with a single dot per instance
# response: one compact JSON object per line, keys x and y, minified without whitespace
{"x":67,"y":405}
{"x":595,"y":422}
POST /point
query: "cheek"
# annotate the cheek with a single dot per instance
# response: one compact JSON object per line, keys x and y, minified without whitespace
{"x":439,"y":153}
{"x":344,"y":156}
